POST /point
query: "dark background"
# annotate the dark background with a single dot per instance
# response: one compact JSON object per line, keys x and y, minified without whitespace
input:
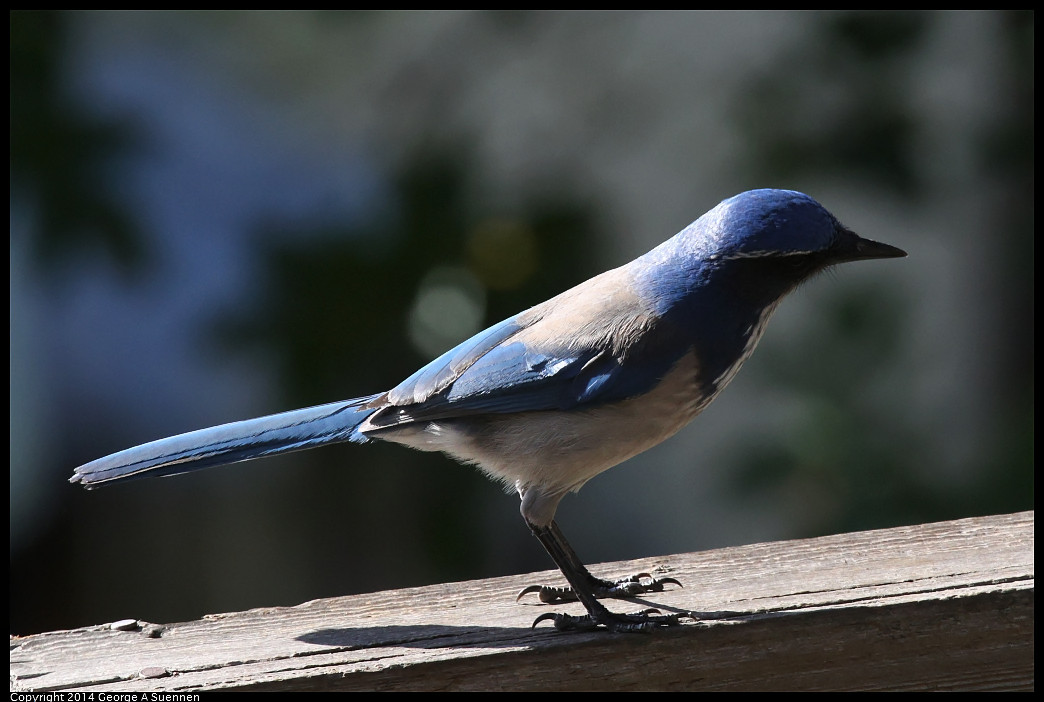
{"x":217,"y":215}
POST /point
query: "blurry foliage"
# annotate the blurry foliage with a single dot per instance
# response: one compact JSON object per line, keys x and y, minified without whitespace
{"x":58,"y":151}
{"x":1007,"y":156}
{"x":844,"y":462}
{"x":840,"y":104}
{"x":333,"y":307}
{"x":865,"y":467}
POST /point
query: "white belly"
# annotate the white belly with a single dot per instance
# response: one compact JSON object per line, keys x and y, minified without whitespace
{"x":560,"y":451}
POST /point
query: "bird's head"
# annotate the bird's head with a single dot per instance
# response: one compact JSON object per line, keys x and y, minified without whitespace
{"x":776,"y":224}
{"x":758,"y":245}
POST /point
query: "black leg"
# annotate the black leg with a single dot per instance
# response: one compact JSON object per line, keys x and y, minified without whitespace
{"x":631,"y":586}
{"x":584,"y":587}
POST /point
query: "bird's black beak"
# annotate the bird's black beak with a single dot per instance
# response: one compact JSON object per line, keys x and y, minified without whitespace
{"x":852,"y":247}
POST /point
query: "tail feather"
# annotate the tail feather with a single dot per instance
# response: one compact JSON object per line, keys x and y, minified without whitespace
{"x":230,"y":443}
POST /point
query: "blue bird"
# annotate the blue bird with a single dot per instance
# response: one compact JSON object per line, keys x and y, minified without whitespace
{"x":548,"y":399}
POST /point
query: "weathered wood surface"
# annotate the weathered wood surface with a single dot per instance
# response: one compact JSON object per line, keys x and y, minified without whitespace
{"x":936,"y":606}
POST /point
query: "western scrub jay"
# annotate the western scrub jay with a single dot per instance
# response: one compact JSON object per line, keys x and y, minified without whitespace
{"x":548,"y":399}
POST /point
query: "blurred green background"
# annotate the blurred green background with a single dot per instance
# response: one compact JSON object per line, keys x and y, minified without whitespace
{"x":219,"y":215}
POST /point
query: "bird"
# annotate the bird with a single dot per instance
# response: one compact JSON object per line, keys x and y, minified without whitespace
{"x":551,"y":397}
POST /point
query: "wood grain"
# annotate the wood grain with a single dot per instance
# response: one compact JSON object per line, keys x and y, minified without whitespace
{"x":927,"y":607}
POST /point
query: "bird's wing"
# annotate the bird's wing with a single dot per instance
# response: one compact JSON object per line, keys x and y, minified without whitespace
{"x":523,"y":365}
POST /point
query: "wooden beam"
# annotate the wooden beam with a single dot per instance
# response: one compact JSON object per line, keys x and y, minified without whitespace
{"x":945,"y":606}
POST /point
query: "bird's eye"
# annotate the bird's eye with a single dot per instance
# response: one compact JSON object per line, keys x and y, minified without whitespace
{"x":801,"y":264}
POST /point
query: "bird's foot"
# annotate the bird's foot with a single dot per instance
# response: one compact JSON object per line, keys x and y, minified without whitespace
{"x":631,"y":586}
{"x":646,"y":620}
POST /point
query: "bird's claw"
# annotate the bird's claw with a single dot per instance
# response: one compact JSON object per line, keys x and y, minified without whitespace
{"x":567,"y":622}
{"x":639,"y":584}
{"x":630,"y":586}
{"x":548,"y":594}
{"x":639,"y":622}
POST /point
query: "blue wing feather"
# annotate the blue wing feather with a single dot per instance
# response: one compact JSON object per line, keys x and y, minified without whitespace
{"x":444,"y":370}
{"x":492,"y":373}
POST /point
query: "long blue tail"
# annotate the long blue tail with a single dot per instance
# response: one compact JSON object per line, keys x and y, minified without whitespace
{"x":229,"y":443}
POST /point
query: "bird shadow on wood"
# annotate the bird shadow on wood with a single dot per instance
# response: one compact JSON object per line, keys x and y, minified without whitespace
{"x":420,"y":636}
{"x":445,"y":636}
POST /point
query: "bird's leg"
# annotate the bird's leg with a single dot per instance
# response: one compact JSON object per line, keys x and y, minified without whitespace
{"x":587,"y":588}
{"x":631,"y":586}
